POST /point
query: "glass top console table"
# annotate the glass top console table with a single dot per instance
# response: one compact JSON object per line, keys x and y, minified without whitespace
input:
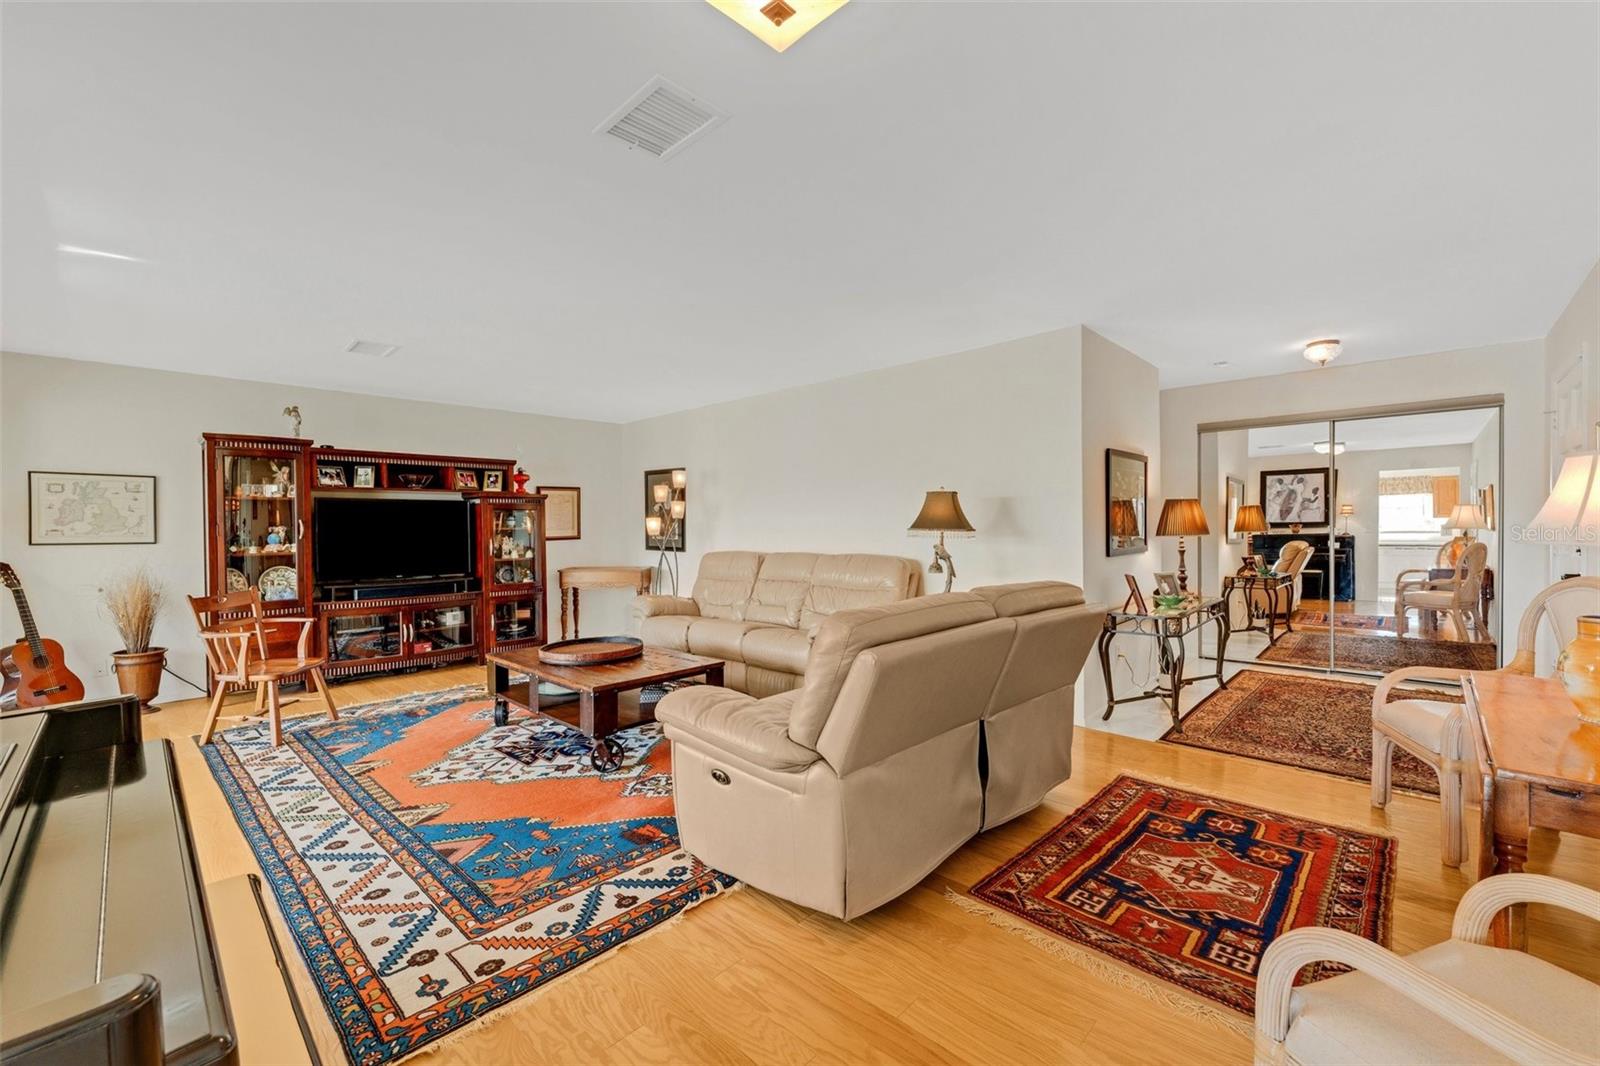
{"x":1168,"y":626}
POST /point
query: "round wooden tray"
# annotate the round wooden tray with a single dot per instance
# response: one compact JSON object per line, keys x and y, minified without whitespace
{"x":588,"y":650}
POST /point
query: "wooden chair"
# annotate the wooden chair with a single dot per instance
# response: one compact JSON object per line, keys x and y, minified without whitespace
{"x":1457,"y":595}
{"x":1435,"y":731}
{"x":236,"y":648}
{"x":1456,"y":1002}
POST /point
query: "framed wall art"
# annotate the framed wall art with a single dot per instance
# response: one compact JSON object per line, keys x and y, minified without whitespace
{"x":71,"y":508}
{"x":1296,"y":497}
{"x":563,"y":512}
{"x":1127,"y":486}
{"x":1234,"y":499}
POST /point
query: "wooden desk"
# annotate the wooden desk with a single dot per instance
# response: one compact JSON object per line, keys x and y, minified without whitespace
{"x":1540,"y":767}
{"x":573,"y":578}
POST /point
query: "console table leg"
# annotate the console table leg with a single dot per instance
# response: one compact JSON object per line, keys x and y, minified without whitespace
{"x":1105,"y":672}
{"x":1223,"y":631}
{"x":1177,"y":684}
{"x":577,"y":628}
{"x":564,"y":593}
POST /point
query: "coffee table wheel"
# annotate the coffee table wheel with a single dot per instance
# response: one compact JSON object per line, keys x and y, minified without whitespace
{"x":502,"y":711}
{"x":606,"y":755}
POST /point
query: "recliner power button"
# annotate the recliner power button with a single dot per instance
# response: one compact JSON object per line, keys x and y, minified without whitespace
{"x":720,"y":777}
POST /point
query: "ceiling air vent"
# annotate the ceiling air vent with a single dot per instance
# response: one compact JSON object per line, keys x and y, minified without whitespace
{"x":662,"y":119}
{"x":377,"y":348}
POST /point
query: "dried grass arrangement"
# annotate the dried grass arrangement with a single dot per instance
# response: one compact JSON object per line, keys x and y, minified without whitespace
{"x":134,"y":600}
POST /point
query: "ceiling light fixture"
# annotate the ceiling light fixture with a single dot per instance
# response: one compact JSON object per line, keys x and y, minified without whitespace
{"x":73,"y":249}
{"x":1324,"y":352}
{"x":1321,"y":447}
{"x":779,"y":23}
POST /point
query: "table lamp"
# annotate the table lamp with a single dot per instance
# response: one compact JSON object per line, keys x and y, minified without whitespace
{"x":1124,"y":522}
{"x":1250,"y":519}
{"x":1345,"y":511}
{"x":1571,"y":515}
{"x":941,"y":514}
{"x":1467,"y":517}
{"x":1182,"y":516}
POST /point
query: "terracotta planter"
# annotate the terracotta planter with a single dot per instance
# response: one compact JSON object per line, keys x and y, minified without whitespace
{"x":139,"y":674}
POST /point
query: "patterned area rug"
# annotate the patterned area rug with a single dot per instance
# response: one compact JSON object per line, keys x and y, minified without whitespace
{"x":1311,"y":722}
{"x":433,"y":867}
{"x":1319,"y":620}
{"x":1190,"y":889}
{"x":1380,"y":654}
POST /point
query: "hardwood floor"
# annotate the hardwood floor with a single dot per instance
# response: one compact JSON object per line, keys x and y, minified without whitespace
{"x":749,"y":978}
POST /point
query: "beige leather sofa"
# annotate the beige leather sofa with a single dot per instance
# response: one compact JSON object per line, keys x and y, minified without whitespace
{"x":919,"y":724}
{"x":758,"y":612}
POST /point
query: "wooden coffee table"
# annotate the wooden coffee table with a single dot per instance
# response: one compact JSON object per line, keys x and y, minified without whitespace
{"x":597,"y":687}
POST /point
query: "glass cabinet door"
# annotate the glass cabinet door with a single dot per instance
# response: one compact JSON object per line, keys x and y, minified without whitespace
{"x":515,"y":619}
{"x":441,"y":629}
{"x":364,"y":636}
{"x":512,"y":545}
{"x":261,"y":526}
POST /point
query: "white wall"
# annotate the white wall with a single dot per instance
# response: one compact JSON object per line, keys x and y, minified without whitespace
{"x":1492,"y":369}
{"x":842,"y":465}
{"x":1121,"y":401}
{"x":61,"y":414}
{"x":1574,"y":337}
{"x":1358,"y":485}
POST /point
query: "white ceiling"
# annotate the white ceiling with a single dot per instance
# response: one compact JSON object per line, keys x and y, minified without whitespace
{"x":1197,"y":182}
{"x":1374,"y":434}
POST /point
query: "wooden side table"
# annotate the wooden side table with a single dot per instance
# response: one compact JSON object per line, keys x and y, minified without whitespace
{"x":574,"y":578}
{"x":1541,"y":767}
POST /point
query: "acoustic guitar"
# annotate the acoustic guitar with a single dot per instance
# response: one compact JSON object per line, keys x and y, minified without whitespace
{"x":35,"y":669}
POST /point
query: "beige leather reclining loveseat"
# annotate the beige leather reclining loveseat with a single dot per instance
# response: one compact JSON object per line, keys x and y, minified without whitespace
{"x":919,"y":724}
{"x":758,"y":612}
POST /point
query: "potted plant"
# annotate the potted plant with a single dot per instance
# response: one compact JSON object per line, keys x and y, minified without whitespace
{"x":133,"y":601}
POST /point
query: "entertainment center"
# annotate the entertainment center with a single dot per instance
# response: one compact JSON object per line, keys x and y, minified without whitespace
{"x":405,"y":560}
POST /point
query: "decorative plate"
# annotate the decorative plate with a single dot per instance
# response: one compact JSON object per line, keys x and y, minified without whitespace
{"x":237,"y":582}
{"x":505,"y":574}
{"x":279,"y":583}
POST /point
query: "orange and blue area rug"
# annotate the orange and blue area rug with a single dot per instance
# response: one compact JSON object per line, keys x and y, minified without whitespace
{"x":1151,"y":881}
{"x":432,"y":867}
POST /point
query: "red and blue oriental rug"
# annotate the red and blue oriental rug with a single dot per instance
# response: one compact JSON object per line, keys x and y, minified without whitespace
{"x":1147,"y":880}
{"x":432,"y":867}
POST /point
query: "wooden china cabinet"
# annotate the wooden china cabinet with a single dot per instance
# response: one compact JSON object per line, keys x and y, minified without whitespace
{"x":261,"y":510}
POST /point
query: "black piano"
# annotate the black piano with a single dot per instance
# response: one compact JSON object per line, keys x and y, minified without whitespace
{"x":1314,"y":583}
{"x":106,"y":955}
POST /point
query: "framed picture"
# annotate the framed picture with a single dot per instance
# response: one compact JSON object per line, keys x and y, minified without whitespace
{"x":1127,"y":483}
{"x":494,"y":481}
{"x":366,"y":477}
{"x":563,"y":512}
{"x":66,"y":508}
{"x":1486,"y":501}
{"x":1234,"y":500}
{"x":1296,"y":497}
{"x":1135,"y":597}
{"x":331,"y":477}
{"x":653,"y":478}
{"x":1167,"y":583}
{"x":466,"y":481}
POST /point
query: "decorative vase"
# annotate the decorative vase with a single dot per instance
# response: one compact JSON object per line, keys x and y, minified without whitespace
{"x":139,"y":674}
{"x":1578,"y":667}
{"x":519,"y":481}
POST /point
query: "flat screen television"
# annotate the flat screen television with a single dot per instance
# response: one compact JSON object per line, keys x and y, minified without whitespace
{"x":358,"y":539}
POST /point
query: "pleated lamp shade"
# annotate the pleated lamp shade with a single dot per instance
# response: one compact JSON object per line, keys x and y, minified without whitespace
{"x":1250,"y":519}
{"x":1182,"y":516}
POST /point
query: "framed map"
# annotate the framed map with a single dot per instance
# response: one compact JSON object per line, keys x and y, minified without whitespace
{"x":91,"y":508}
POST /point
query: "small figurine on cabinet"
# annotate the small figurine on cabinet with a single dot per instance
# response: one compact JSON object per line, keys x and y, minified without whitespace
{"x":277,"y":536}
{"x":508,"y":547}
{"x":520,"y":481}
{"x":281,"y":477}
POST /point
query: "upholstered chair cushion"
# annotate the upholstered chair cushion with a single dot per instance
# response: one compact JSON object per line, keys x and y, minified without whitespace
{"x":781,"y":587}
{"x":843,"y":636}
{"x":754,"y":730}
{"x":1354,"y":1018}
{"x":777,"y":648}
{"x":1421,"y":720}
{"x":845,"y":582}
{"x":723,"y":584}
{"x":719,"y":638}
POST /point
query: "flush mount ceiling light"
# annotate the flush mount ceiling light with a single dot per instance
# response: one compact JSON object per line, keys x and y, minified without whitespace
{"x":779,"y":23}
{"x":374,"y":348}
{"x":1324,"y":352}
{"x":1321,"y":447}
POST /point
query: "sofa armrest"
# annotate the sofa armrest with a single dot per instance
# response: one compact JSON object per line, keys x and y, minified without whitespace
{"x":651,"y":606}
{"x":721,"y":720}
